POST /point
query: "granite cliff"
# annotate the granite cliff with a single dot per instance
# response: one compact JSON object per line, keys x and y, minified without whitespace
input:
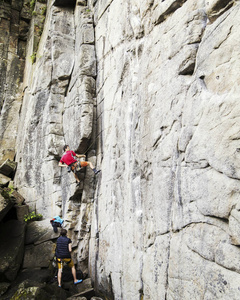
{"x":149,"y":91}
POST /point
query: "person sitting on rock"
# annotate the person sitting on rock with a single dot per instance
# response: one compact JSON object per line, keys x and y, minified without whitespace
{"x":68,"y":160}
{"x":63,"y":255}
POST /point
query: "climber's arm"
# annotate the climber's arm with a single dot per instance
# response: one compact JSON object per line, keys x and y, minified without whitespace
{"x":62,"y":164}
{"x":80,"y":155}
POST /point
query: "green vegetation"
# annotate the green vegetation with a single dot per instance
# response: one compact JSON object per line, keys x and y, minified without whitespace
{"x":7,"y":192}
{"x":43,"y":10}
{"x":32,"y":4}
{"x":32,"y":217}
{"x":33,"y":57}
{"x":34,"y":13}
{"x":11,"y":189}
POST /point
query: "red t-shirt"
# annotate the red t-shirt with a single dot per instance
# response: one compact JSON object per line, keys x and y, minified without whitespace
{"x":68,"y":158}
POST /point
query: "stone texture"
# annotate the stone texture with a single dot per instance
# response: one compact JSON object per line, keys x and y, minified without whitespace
{"x":8,"y":168}
{"x":13,"y":31}
{"x":39,"y":231}
{"x":22,"y":211}
{"x":5,"y":205}
{"x":12,"y":248}
{"x":165,"y":211}
{"x":150,"y":91}
{"x":4,"y":180}
{"x":39,"y":256}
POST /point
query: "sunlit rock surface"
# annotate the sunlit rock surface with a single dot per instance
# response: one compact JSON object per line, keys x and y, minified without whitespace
{"x":149,"y":91}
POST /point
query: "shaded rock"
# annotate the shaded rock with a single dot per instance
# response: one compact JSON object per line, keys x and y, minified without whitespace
{"x":216,"y":8}
{"x":3,"y":287}
{"x":75,"y":297}
{"x":5,"y":205}
{"x":39,"y":231}
{"x":29,"y":289}
{"x":27,"y":278}
{"x":82,"y":2}
{"x":67,"y":278}
{"x":8,"y":168}
{"x":39,"y":256}
{"x":30,"y":293}
{"x":12,"y":248}
{"x":21,"y":211}
{"x":83,"y":289}
{"x":68,"y":3}
{"x":18,"y":199}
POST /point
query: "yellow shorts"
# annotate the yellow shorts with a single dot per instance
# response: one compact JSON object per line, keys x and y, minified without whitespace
{"x":68,"y":261}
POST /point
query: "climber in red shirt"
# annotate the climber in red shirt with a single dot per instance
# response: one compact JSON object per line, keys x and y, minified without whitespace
{"x":68,"y":160}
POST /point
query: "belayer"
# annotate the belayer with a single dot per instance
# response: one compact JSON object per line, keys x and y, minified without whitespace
{"x":63,"y":255}
{"x":68,"y":160}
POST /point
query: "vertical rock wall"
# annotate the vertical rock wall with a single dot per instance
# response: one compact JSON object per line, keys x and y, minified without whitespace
{"x":166,"y":222}
{"x":156,"y":84}
{"x":14,"y":24}
{"x":58,"y":108}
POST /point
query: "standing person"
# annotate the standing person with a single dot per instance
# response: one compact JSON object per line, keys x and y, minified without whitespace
{"x":68,"y":160}
{"x":63,"y":254}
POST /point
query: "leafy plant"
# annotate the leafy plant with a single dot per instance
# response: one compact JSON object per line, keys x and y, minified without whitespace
{"x":43,"y":10}
{"x":34,"y":13}
{"x":32,"y":4}
{"x":32,"y":217}
{"x":33,"y":57}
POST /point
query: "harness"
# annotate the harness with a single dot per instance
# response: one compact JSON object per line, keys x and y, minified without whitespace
{"x":74,"y":167}
{"x":59,"y":260}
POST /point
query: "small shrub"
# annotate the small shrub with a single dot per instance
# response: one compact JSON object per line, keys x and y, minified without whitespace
{"x":33,"y":57}
{"x":34,"y":13}
{"x":32,"y":4}
{"x":43,"y":10}
{"x":32,"y":217}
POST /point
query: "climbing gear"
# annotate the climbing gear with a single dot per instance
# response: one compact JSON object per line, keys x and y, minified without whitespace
{"x":96,"y":171}
{"x":67,"y":261}
{"x":75,"y":167}
{"x":78,"y":281}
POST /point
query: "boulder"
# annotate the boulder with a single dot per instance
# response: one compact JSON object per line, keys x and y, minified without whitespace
{"x":39,"y":256}
{"x":21,"y":211}
{"x":30,"y":293}
{"x":39,"y":231}
{"x":8,"y":168}
{"x":12,"y":248}
{"x":4,"y":180}
{"x":5,"y":205}
{"x":83,"y":289}
{"x":18,"y":198}
{"x":3,"y":287}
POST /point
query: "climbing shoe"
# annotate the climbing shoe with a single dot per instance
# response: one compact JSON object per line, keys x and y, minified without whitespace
{"x":97,"y":171}
{"x":78,"y":281}
{"x":78,"y":183}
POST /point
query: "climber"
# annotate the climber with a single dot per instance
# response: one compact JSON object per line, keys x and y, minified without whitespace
{"x":68,"y":160}
{"x":63,"y":254}
{"x":56,"y":222}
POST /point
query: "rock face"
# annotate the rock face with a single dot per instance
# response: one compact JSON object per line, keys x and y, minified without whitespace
{"x":166,"y":222}
{"x":149,"y":91}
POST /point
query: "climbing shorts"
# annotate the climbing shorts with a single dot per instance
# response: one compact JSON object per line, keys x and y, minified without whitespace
{"x":68,"y":261}
{"x":77,"y":165}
